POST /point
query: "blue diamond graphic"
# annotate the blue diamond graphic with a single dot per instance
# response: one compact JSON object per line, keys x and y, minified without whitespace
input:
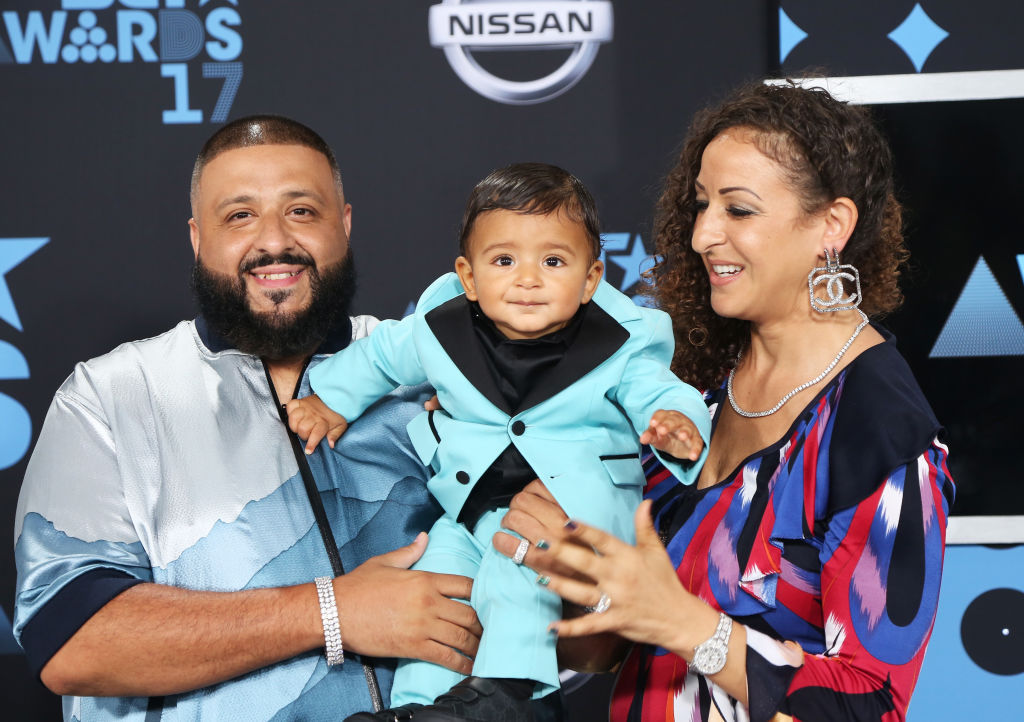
{"x":790,"y":35}
{"x":983,"y":323}
{"x":918,"y":35}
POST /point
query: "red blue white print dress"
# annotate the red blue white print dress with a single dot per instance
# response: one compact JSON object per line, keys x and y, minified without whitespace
{"x":832,"y":537}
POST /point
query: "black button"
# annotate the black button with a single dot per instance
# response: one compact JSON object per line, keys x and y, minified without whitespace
{"x":518,"y":428}
{"x":462,"y":477}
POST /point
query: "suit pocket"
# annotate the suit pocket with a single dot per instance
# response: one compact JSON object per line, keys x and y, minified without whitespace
{"x":624,"y":469}
{"x":425,"y":436}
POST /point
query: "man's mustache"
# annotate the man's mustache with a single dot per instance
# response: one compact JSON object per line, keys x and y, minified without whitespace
{"x":266,"y":259}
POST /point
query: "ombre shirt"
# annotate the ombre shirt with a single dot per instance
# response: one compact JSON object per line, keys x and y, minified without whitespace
{"x":166,"y":461}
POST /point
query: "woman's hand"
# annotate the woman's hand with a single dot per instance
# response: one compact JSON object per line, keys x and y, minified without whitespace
{"x":536,"y":516}
{"x":646,"y":601}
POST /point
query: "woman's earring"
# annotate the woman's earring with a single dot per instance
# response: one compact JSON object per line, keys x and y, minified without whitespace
{"x":832,"y":275}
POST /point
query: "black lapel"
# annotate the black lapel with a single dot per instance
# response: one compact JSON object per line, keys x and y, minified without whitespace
{"x":452,"y":326}
{"x":599,"y":337}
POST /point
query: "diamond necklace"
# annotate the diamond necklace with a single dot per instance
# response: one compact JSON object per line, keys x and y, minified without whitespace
{"x":798,"y":389}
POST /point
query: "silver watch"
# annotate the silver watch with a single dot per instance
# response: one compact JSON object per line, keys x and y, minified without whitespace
{"x":709,"y":656}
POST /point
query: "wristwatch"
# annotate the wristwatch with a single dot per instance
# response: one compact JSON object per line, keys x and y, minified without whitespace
{"x":709,"y":656}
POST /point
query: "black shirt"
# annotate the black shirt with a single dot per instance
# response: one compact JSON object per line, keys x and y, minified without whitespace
{"x":516,"y":366}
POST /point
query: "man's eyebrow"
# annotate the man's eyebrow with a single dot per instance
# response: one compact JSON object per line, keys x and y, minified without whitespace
{"x":304,"y":193}
{"x":291,"y":195}
{"x":231,"y":201}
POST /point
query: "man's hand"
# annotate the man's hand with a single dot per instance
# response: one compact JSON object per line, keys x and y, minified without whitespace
{"x":313,"y":420}
{"x":386,"y":610}
{"x":675,"y":434}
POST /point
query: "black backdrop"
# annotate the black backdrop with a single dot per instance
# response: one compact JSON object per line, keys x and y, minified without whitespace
{"x":89,"y":164}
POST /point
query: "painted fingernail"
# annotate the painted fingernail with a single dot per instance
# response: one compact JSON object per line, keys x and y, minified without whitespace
{"x":543,"y":580}
{"x":542,"y":544}
{"x":553,"y":629}
{"x":571,"y":525}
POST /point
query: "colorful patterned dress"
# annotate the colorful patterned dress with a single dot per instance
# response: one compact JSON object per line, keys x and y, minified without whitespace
{"x":832,"y":537}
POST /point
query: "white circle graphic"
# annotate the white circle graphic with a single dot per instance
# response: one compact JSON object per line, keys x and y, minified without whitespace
{"x":584,"y":39}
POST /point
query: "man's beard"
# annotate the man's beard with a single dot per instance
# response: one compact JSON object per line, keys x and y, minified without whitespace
{"x":224,"y":304}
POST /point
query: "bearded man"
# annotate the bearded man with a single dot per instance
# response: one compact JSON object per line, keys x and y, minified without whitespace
{"x":169,"y":528}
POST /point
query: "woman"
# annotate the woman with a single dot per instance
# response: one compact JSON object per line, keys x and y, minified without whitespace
{"x":802,"y":570}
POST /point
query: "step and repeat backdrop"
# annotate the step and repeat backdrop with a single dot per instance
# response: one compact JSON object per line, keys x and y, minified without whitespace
{"x":106,"y":103}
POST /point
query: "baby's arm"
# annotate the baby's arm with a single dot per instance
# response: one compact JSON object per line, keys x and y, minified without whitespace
{"x":313,"y":420}
{"x":675,"y":434}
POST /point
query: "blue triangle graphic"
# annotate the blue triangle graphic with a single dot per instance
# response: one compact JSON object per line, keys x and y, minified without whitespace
{"x":983,"y":323}
{"x":790,"y":35}
{"x":7,"y":643}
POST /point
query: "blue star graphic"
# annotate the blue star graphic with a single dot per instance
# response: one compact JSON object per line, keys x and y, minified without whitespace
{"x":632,"y":263}
{"x":12,"y":252}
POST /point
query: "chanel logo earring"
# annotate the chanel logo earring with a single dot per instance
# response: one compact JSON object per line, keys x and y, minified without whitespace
{"x":831,"y":276}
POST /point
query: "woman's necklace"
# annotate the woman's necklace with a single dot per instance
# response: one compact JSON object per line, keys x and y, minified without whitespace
{"x":798,"y":389}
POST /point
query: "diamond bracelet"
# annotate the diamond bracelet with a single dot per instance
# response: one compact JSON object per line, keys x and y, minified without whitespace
{"x":329,"y":616}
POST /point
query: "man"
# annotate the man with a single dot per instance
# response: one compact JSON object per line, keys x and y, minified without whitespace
{"x":165,"y":540}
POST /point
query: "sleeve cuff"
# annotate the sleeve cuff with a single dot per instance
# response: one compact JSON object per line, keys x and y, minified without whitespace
{"x":771,"y":666}
{"x":77,"y":601}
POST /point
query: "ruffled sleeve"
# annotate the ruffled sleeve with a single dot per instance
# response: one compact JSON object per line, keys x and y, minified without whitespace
{"x":881,"y":566}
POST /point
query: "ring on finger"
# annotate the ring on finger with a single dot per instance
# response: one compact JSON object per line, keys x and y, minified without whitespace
{"x":521,"y":550}
{"x":602,"y":606}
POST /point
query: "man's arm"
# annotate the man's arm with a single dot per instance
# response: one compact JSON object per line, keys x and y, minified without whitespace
{"x":78,"y":548}
{"x":155,"y":640}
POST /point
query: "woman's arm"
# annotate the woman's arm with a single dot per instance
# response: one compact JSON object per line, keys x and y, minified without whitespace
{"x":879,"y":590}
{"x":881,"y":566}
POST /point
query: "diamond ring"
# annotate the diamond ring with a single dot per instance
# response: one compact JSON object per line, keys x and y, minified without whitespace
{"x":521,"y":550}
{"x":603,"y":604}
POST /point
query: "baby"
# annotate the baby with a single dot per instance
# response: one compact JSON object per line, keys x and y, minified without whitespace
{"x":542,"y":371}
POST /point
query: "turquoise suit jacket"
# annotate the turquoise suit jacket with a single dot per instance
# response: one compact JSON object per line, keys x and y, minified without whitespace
{"x":577,"y":428}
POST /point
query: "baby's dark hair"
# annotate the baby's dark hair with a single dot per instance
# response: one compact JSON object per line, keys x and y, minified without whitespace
{"x":533,"y":188}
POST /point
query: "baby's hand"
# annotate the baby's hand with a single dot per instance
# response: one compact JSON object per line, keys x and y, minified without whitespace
{"x":675,"y":434}
{"x":313,"y":420}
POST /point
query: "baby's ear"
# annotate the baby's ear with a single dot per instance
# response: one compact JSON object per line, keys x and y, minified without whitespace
{"x":464,"y":270}
{"x":593,"y":278}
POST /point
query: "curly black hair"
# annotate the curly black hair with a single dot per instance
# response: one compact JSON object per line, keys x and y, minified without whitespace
{"x":827,"y":149}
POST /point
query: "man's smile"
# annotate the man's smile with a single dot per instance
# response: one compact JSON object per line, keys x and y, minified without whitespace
{"x":277,"y":276}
